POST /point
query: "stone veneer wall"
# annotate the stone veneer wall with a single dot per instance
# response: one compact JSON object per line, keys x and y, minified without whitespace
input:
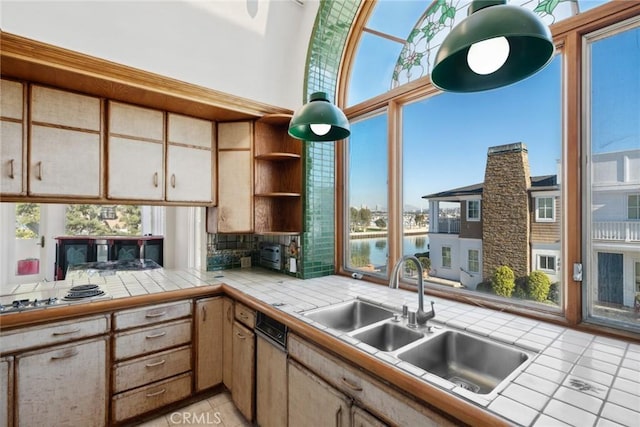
{"x":505,"y":210}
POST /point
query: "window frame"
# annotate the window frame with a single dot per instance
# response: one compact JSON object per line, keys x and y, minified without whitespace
{"x":476,"y":261}
{"x":636,"y":207}
{"x":469,"y":217}
{"x":442,"y":251}
{"x":539,"y":259}
{"x":567,"y":35}
{"x":538,"y":207}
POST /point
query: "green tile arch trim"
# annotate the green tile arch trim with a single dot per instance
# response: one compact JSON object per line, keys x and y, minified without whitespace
{"x":333,"y":21}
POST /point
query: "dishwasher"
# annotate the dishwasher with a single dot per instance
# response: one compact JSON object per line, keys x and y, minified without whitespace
{"x":271,"y":372}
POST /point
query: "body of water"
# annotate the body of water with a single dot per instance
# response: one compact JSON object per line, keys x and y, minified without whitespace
{"x":374,"y":250}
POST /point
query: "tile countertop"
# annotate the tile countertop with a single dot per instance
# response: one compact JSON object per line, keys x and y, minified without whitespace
{"x":574,"y":378}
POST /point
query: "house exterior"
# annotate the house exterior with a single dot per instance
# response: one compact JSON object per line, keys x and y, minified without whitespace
{"x":510,"y":219}
{"x":615,"y":218}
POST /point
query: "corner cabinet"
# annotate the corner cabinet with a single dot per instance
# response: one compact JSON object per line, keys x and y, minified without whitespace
{"x":278,"y":177}
{"x":135,"y":147}
{"x":12,"y":134}
{"x":65,"y":144}
{"x":190,"y":160}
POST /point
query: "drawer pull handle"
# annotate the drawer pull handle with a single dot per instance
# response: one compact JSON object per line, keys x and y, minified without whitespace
{"x":73,"y":331}
{"x":339,"y":417}
{"x":240,"y":335}
{"x":65,"y":355}
{"x":204,"y":314}
{"x":155,"y":179}
{"x":39,"y":174}
{"x":158,"y":314}
{"x":151,"y":365}
{"x":158,"y":335}
{"x":157,"y":393}
{"x":173,"y":180}
{"x":11,"y":175}
{"x":243,"y":316}
{"x":351,"y":385}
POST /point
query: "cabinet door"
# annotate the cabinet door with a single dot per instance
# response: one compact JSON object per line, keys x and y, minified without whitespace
{"x":243,"y":369}
{"x":11,"y":134}
{"x":235,"y":192}
{"x":6,"y":382}
{"x":64,"y":162}
{"x":62,"y":386}
{"x":135,"y":152}
{"x":314,"y":402}
{"x":208,"y":342}
{"x":361,"y":418}
{"x":189,"y":174}
{"x":234,"y":136}
{"x":227,"y":346}
{"x":271,"y":384}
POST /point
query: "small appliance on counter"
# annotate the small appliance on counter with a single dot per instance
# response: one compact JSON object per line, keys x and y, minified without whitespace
{"x":270,"y":256}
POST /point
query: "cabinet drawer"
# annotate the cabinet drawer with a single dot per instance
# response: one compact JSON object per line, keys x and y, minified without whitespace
{"x":147,"y":340}
{"x":39,"y":336}
{"x":149,"y":315}
{"x":145,"y":399}
{"x":245,"y":315}
{"x":148,"y":369}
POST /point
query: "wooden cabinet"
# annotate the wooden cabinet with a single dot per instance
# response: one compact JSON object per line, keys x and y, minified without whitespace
{"x":271,"y":384}
{"x":135,"y":147}
{"x":63,"y":386}
{"x":65,"y":144}
{"x":234,"y":212}
{"x":377,"y":398}
{"x":190,"y":160}
{"x":153,"y":353}
{"x":6,"y":391}
{"x":12,"y":133}
{"x":278,"y":177}
{"x":361,"y":418}
{"x":208,"y":342}
{"x":227,"y":345}
{"x":243,"y":369}
{"x":314,"y":402}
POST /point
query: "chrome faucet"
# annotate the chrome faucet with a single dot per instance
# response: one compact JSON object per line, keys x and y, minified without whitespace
{"x":421,"y":316}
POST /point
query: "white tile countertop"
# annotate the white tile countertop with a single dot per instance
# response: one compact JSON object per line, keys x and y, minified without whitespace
{"x":572,"y":379}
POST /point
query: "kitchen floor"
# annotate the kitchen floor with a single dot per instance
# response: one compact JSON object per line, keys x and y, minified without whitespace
{"x":217,"y":410}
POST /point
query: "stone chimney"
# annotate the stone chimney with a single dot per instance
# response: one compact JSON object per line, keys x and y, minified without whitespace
{"x":505,"y":210}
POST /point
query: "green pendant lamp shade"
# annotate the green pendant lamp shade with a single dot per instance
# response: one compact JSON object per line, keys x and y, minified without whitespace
{"x":319,"y":120}
{"x":496,"y":45}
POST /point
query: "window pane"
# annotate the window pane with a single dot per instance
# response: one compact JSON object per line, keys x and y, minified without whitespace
{"x":614,"y":175}
{"x":27,"y":220}
{"x":103,"y":220}
{"x":367,"y":197}
{"x":473,"y":165}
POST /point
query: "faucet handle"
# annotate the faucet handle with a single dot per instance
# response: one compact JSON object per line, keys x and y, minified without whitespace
{"x":405,"y":310}
{"x":412,"y":320}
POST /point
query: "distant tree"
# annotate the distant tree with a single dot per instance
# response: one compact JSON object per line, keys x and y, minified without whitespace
{"x":27,"y":220}
{"x":353,"y":218}
{"x":360,"y":254}
{"x":129,"y":220}
{"x":84,"y":220}
{"x":420,"y":220}
{"x":365,"y":217}
{"x":381,"y":223}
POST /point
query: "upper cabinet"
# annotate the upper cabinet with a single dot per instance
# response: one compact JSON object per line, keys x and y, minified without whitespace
{"x":12,"y":132}
{"x":65,"y":144}
{"x":135,"y":150}
{"x":234,"y":213}
{"x":190,"y":160}
{"x":278,"y":177}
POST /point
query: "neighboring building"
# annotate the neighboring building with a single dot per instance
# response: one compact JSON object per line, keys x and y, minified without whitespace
{"x":511,"y":219}
{"x":615,"y":216}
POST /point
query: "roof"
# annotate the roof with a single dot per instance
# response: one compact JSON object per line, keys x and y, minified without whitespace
{"x":543,"y":182}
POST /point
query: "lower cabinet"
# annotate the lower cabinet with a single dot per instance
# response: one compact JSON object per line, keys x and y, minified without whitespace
{"x":375,"y":400}
{"x":208,"y":342}
{"x":63,"y":385}
{"x":243,"y":369}
{"x":314,"y":402}
{"x":227,"y":344}
{"x":271,"y":383}
{"x":6,"y":391}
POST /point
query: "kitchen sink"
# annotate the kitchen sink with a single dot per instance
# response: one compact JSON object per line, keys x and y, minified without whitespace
{"x":350,"y":315}
{"x":469,"y":362}
{"x":388,"y":336}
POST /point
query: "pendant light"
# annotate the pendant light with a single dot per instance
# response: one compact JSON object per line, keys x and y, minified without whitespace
{"x":319,"y":120}
{"x":494,"y":46}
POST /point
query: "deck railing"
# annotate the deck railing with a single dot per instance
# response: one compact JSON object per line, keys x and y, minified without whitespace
{"x":621,"y":231}
{"x":449,"y":225}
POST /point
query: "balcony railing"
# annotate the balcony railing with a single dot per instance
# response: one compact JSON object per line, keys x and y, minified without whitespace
{"x":622,"y":231}
{"x":449,"y":225}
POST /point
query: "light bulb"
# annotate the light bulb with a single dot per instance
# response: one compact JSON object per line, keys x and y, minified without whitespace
{"x":320,"y":128}
{"x":488,"y":56}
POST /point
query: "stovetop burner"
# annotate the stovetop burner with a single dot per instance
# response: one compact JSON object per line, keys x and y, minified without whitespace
{"x":83,"y":291}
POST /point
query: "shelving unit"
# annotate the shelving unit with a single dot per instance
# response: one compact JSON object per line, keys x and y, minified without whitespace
{"x":278,"y":177}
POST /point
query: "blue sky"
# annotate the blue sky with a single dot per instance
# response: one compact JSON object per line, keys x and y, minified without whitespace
{"x":447,"y":136}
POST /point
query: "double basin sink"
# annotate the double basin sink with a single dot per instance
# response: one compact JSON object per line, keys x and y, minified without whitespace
{"x":467,"y":361}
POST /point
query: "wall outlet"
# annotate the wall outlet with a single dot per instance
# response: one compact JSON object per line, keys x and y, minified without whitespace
{"x":245,"y":262}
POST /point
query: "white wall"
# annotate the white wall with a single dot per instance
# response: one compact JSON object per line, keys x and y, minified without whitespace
{"x":254,"y":49}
